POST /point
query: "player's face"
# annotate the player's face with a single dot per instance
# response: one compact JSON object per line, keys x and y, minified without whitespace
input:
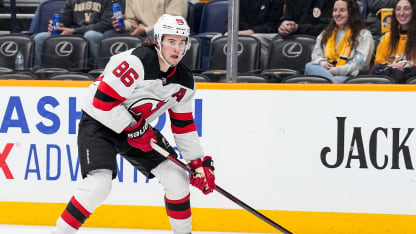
{"x":403,"y":13}
{"x":340,"y":14}
{"x":173,"y":47}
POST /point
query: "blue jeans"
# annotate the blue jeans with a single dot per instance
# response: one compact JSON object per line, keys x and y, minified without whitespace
{"x":312,"y":68}
{"x":93,"y":38}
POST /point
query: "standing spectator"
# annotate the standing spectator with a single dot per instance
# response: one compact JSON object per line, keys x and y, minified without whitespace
{"x":141,"y":15}
{"x":396,"y":51}
{"x":305,"y":17}
{"x":344,"y":47}
{"x":89,"y":18}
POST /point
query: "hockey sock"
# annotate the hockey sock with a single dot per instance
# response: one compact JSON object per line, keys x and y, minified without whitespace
{"x":180,"y":216}
{"x":92,"y":191}
{"x":72,"y":218}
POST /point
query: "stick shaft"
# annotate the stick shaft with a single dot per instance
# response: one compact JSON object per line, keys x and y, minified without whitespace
{"x":221,"y":190}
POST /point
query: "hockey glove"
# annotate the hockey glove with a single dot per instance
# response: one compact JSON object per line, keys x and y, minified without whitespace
{"x":140,"y":134}
{"x":204,"y":178}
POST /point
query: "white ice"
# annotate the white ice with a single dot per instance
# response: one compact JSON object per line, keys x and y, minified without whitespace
{"x":24,"y":229}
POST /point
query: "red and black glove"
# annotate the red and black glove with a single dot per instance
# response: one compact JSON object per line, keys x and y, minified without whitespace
{"x":140,"y":135}
{"x":204,"y":178}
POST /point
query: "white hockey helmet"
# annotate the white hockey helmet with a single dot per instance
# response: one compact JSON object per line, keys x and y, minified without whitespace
{"x":172,"y":25}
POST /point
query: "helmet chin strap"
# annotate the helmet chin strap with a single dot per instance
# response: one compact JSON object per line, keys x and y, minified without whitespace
{"x":159,"y":52}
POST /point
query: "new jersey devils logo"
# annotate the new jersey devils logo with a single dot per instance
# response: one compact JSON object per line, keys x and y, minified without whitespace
{"x":146,"y":107}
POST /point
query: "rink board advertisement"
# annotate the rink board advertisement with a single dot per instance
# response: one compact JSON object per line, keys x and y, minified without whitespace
{"x":300,"y":154}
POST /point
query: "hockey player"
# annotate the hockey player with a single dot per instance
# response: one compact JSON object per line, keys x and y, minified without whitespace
{"x":135,"y":88}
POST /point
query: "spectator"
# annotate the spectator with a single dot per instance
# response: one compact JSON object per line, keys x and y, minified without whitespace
{"x":373,"y":18}
{"x":374,"y":6}
{"x":141,"y":15}
{"x":89,"y":18}
{"x":363,"y":4}
{"x":259,"y":19}
{"x":344,"y":47}
{"x":305,"y":17}
{"x":396,"y":51}
{"x":34,"y":24}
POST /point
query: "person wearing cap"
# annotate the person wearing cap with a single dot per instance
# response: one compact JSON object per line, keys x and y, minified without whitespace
{"x":138,"y":86}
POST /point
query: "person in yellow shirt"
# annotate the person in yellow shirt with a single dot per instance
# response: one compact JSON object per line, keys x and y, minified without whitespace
{"x":344,"y":47}
{"x":396,"y":51}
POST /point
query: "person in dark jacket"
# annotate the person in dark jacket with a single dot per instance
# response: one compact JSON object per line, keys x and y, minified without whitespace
{"x":89,"y":18}
{"x":259,"y":16}
{"x":373,"y":18}
{"x":305,"y":17}
{"x":259,"y":19}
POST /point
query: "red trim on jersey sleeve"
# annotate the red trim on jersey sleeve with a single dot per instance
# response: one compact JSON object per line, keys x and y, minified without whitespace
{"x":183,"y":130}
{"x":108,"y":99}
{"x":182,"y":123}
{"x":181,"y":116}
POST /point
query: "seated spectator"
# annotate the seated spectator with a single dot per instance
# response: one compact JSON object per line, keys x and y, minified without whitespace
{"x":34,"y":24}
{"x":363,"y":4}
{"x":344,"y":47}
{"x":305,"y":17}
{"x":396,"y":51}
{"x":89,"y":18}
{"x":141,"y":15}
{"x":373,"y":17}
{"x":259,"y":19}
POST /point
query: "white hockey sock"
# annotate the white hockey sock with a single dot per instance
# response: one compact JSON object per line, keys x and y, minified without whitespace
{"x":92,"y":191}
{"x":180,"y":216}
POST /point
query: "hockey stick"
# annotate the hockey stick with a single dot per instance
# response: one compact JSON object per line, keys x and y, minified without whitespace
{"x":226,"y":194}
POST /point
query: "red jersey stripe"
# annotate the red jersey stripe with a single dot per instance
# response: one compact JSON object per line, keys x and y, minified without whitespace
{"x":186,"y":129}
{"x":181,"y":116}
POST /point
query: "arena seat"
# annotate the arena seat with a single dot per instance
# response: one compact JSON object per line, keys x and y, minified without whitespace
{"x":248,"y":51}
{"x":44,"y":73}
{"x":194,"y":16}
{"x":18,"y":75}
{"x":214,"y":17}
{"x":370,"y":79}
{"x":192,"y":57}
{"x":112,"y":45}
{"x":212,"y":22}
{"x":11,"y":44}
{"x":306,"y":79}
{"x":290,"y":54}
{"x":200,"y":78}
{"x":255,"y":78}
{"x":411,"y":80}
{"x":65,"y":51}
{"x":71,"y":76}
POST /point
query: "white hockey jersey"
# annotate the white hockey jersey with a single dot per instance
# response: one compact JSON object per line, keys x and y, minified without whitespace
{"x":133,"y":85}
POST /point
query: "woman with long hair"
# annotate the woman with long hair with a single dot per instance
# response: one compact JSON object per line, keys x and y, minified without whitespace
{"x":344,"y":47}
{"x":396,"y":51}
